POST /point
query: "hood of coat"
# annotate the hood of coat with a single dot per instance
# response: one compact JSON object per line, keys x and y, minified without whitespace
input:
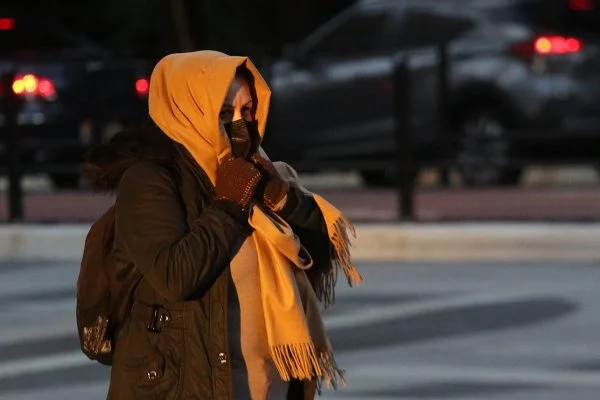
{"x":104,"y":165}
{"x":187,"y":91}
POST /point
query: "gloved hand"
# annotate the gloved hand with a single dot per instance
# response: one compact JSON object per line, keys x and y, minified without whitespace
{"x":273,"y":189}
{"x":237,"y":180}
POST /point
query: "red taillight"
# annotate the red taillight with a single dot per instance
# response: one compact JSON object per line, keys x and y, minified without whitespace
{"x":46,"y":88}
{"x":582,"y":5}
{"x":142,"y":86}
{"x":557,"y":45}
{"x":547,"y":45}
{"x":7,"y":24}
{"x":32,"y":85}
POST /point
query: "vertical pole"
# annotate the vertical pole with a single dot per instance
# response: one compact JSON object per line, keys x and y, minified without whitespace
{"x":442,"y":110}
{"x":13,"y":149}
{"x":404,"y":157}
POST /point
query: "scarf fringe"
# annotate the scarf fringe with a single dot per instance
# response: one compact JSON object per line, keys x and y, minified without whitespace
{"x":296,"y":361}
{"x":332,"y":376}
{"x":341,"y":260}
{"x":341,"y":250}
{"x":325,"y":287}
{"x":299,"y":361}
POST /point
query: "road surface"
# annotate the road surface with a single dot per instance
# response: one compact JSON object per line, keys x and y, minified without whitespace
{"x":412,"y":331}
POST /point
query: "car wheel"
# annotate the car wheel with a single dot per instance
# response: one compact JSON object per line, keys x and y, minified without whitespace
{"x":65,"y":181}
{"x":483,"y":157}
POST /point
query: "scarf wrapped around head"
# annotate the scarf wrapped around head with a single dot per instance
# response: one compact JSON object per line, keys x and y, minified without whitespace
{"x":187,"y":91}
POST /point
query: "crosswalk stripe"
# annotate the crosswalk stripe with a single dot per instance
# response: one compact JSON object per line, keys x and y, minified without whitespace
{"x":50,"y":362}
{"x":376,"y":375}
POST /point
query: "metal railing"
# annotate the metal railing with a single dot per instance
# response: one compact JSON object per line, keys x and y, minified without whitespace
{"x":406,"y":165}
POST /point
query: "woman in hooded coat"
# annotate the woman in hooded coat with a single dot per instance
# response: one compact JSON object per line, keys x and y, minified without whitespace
{"x":235,"y":255}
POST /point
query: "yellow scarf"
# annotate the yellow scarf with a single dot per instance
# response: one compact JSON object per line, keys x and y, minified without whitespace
{"x":187,"y":91}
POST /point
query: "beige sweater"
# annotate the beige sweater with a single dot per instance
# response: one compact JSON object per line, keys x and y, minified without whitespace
{"x":254,"y":376}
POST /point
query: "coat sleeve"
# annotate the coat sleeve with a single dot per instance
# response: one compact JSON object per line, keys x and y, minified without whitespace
{"x":152,"y":232}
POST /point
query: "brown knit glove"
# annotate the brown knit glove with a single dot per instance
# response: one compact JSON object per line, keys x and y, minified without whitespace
{"x":237,"y":180}
{"x":273,"y":189}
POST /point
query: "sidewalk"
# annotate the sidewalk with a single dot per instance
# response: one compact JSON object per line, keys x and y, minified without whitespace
{"x":462,"y":242}
{"x":527,"y":224}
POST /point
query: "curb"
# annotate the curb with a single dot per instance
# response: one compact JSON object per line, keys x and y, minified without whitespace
{"x":468,"y":242}
{"x":479,"y":242}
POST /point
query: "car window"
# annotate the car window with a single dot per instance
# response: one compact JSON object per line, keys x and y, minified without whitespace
{"x":423,"y":28}
{"x":356,"y":35}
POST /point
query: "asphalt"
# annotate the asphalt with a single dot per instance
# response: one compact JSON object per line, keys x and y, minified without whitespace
{"x":411,"y":331}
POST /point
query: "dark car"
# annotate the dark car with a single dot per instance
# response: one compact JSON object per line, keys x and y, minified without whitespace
{"x":67,"y":87}
{"x":523,"y":87}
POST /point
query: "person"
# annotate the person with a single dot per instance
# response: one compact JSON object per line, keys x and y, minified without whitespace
{"x":236,"y":256}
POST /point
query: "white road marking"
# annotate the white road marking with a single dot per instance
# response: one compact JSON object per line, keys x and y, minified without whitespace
{"x":378,"y":376}
{"x":50,"y":362}
{"x":84,"y":390}
{"x":46,"y":329}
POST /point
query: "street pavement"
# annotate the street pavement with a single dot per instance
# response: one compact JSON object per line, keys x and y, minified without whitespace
{"x":411,"y":331}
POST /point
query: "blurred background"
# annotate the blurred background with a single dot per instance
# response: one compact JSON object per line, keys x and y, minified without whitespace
{"x":422,"y":111}
{"x":470,"y":109}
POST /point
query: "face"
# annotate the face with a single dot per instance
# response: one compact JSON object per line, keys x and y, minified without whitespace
{"x":237,"y":120}
{"x":238,"y":103}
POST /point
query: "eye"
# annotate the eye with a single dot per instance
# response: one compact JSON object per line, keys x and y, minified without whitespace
{"x":247,"y":113}
{"x":226,"y":115}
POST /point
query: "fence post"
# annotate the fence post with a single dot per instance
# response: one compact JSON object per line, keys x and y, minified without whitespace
{"x":442,"y":108}
{"x":405,"y":168}
{"x":13,"y":148}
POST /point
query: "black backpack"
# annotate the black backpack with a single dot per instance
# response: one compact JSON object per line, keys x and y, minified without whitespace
{"x":103,"y":301}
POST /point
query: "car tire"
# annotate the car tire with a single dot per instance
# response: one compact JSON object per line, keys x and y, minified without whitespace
{"x":484,"y":150}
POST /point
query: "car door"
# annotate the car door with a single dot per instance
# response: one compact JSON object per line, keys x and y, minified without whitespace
{"x":328,"y":102}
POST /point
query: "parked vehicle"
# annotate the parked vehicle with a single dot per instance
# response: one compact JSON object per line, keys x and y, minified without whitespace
{"x":523,"y":87}
{"x":67,"y":87}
